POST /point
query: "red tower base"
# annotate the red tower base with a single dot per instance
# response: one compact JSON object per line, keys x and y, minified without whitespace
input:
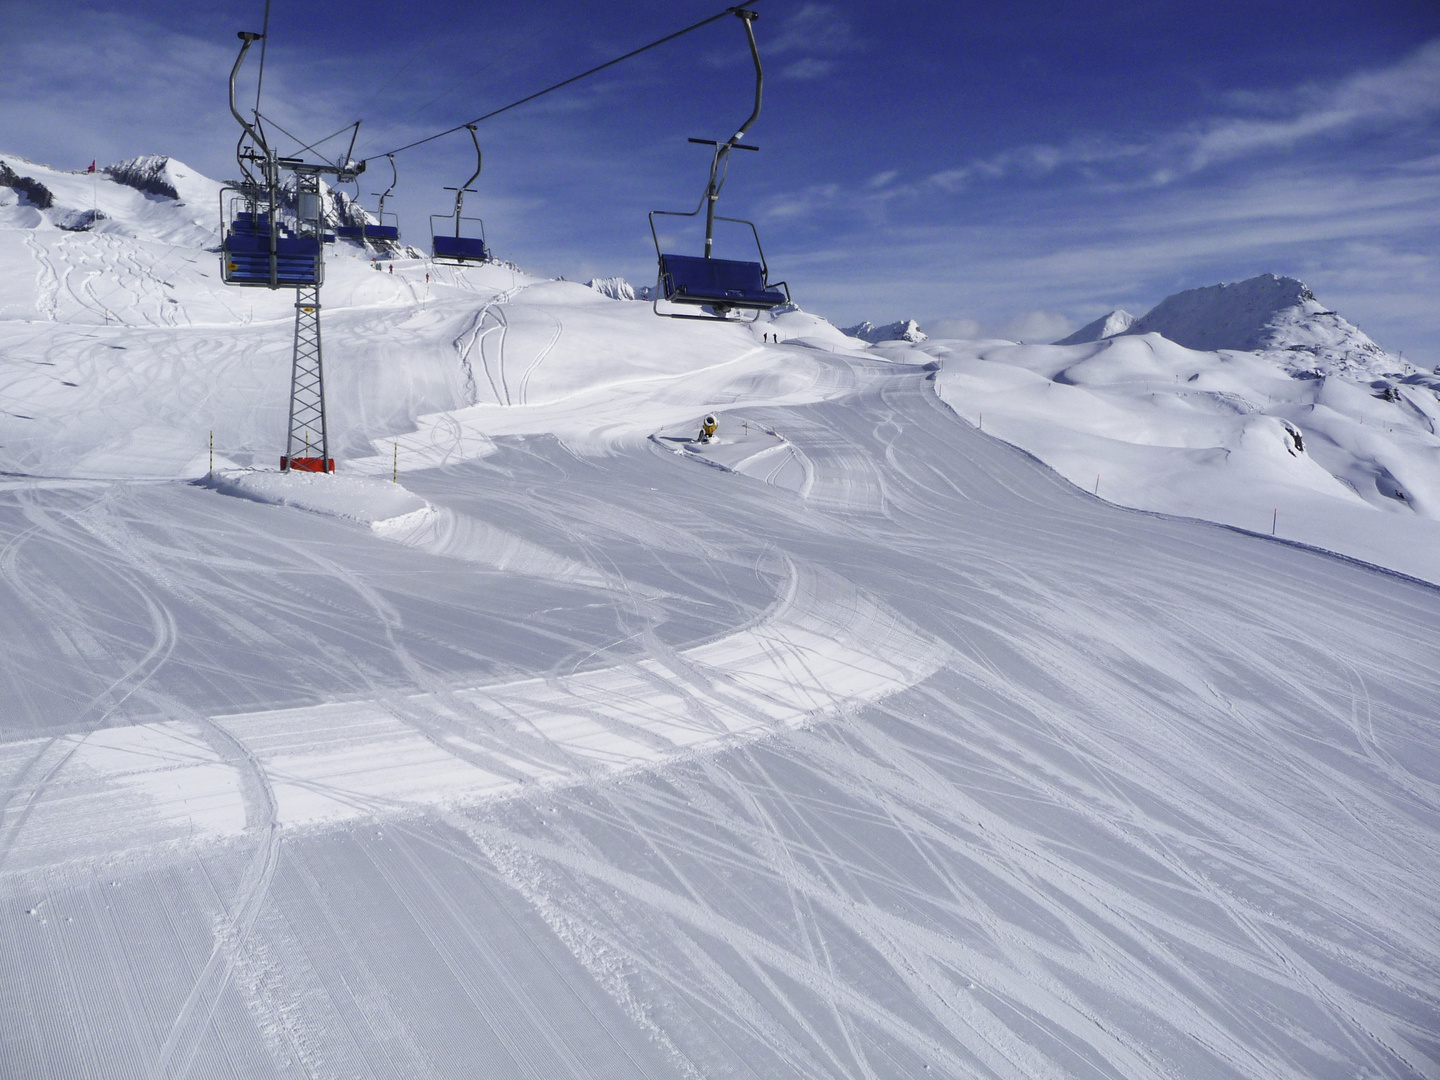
{"x":307,"y":464}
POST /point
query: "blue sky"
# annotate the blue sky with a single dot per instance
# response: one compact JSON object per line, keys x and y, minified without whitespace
{"x":1017,"y":168}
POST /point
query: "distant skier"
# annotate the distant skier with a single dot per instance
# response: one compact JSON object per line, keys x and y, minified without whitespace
{"x":707,"y":430}
{"x":392,"y":268}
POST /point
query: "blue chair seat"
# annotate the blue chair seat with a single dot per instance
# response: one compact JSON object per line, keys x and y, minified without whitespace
{"x":252,"y":224}
{"x":246,"y":260}
{"x":368,"y":232}
{"x":461,"y":248}
{"x":689,"y":279}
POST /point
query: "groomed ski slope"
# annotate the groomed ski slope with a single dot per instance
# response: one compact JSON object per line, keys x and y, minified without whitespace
{"x":859,"y":744}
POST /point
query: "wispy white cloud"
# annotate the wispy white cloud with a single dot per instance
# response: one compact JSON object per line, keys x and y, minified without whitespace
{"x":1392,"y":98}
{"x":807,"y":67}
{"x":954,"y":327}
{"x":108,"y":90}
{"x":816,"y":36}
{"x":1035,"y":325}
{"x":1062,"y":234}
{"x":1400,"y":94}
{"x":1367,"y":241}
{"x":805,"y":202}
{"x":812,"y":29}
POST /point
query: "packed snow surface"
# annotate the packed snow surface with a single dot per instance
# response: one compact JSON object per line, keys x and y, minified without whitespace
{"x":853,"y":742}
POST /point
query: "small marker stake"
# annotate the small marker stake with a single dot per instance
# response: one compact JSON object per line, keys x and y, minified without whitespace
{"x":395,"y":468}
{"x":982,"y":421}
{"x":1097,"y":483}
{"x":212,"y":455}
{"x":1274,"y":520}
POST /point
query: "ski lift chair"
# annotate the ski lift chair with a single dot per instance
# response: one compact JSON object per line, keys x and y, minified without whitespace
{"x":722,"y":285}
{"x":457,"y":248}
{"x":261,"y":252}
{"x":369,"y":232}
{"x":718,"y":286}
{"x":377,"y":232}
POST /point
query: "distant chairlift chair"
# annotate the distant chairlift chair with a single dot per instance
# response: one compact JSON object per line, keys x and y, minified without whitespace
{"x":457,"y":248}
{"x":719,"y":285}
{"x":377,"y":232}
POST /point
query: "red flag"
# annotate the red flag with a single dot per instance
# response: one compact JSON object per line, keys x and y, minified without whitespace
{"x":91,"y":168}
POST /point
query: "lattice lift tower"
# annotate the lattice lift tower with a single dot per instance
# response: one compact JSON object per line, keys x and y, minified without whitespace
{"x":273,"y":243}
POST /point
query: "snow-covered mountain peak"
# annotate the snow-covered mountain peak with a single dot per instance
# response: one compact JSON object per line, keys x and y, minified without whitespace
{"x":1268,"y":313}
{"x":150,"y":174}
{"x":151,"y":198}
{"x":901,"y":330}
{"x":617,"y":288}
{"x":1107,"y":326}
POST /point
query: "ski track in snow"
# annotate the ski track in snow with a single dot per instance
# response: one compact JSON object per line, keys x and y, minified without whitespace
{"x":878,"y":751}
{"x":815,"y":654}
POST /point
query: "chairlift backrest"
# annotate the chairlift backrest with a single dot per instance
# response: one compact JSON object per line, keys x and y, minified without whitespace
{"x":695,"y":279}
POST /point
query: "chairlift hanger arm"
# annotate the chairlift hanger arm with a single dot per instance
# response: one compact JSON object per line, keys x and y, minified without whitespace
{"x":459,"y":195}
{"x":460,"y":191}
{"x":748,"y":18}
{"x":720,"y":163}
{"x":248,"y":37}
{"x":394,"y":179}
{"x":722,"y":149}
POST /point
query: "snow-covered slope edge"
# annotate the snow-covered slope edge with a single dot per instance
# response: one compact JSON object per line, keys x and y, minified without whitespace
{"x":1228,"y":437}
